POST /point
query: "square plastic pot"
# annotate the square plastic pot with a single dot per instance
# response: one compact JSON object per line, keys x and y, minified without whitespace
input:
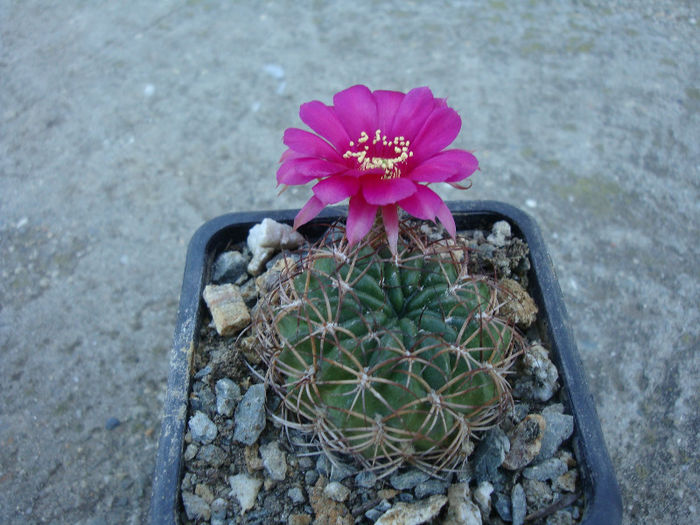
{"x":601,"y":492}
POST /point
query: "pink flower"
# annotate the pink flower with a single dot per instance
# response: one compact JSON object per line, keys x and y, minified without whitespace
{"x":381,"y":149}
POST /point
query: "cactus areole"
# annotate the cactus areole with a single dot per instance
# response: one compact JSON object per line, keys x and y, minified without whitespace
{"x":392,"y":359}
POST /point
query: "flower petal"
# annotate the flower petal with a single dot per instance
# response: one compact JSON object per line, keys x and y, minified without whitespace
{"x":290,"y":154}
{"x":447,"y":220}
{"x":450,"y":165}
{"x":390,"y":217}
{"x":356,"y":109}
{"x":426,"y":204}
{"x":360,"y":218}
{"x":412,"y":113}
{"x":423,"y":204}
{"x":302,"y":170}
{"x":380,"y":191}
{"x":312,"y":208}
{"x":310,"y":145}
{"x":323,"y":120}
{"x":335,"y":189}
{"x":438,"y":132}
{"x":388,"y":103}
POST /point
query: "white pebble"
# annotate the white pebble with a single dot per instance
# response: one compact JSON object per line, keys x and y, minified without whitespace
{"x":245,"y":489}
{"x":266,"y":238}
{"x":274,"y":460}
{"x":336,"y":491}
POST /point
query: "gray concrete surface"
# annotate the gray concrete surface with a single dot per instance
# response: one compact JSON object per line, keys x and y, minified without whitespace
{"x":124,"y":126}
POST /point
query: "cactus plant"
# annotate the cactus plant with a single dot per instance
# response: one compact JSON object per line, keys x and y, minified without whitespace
{"x":391,"y":358}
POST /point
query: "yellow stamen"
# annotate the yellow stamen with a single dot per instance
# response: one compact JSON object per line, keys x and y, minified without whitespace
{"x":390,"y":165}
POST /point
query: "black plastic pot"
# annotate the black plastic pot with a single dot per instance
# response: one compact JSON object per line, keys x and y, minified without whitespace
{"x":600,"y":489}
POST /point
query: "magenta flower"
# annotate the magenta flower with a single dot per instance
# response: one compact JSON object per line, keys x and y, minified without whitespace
{"x":381,"y":149}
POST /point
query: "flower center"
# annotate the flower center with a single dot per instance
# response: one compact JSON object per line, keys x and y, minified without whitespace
{"x":382,"y":153}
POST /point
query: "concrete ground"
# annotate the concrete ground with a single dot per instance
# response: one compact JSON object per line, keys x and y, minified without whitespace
{"x":124,"y":126}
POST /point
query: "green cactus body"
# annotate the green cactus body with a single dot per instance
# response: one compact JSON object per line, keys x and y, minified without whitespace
{"x":390,"y":360}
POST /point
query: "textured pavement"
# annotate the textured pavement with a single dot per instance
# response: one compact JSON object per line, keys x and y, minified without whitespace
{"x":124,"y":126}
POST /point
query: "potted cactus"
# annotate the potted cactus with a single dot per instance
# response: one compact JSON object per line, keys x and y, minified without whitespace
{"x":381,"y":343}
{"x":381,"y":340}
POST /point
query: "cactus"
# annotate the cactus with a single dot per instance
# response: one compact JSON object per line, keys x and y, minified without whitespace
{"x":391,"y":359}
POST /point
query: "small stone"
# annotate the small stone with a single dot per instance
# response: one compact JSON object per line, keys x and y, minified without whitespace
{"x":305,"y":462}
{"x":266,"y":238}
{"x":366,"y":479}
{"x":202,"y":398}
{"x":525,"y":442}
{"x":387,"y":494}
{"x":328,"y":510}
{"x":516,"y":304}
{"x":190,"y":452}
{"x":227,"y":307}
{"x":195,"y":507}
{"x":260,"y":257}
{"x":537,"y":493}
{"x":245,"y":489}
{"x":461,"y":510}
{"x":413,"y":513}
{"x":336,"y":491}
{"x":249,"y":292}
{"x":518,"y":504}
{"x":227,"y":394}
{"x":500,"y":232}
{"x":204,"y":492}
{"x":559,"y":429}
{"x":229,"y":267}
{"x":250,"y":415}
{"x":374,"y":513}
{"x":502,"y":504}
{"x":430,"y":488}
{"x":213,"y":455}
{"x":566,"y":482}
{"x":311,"y":477}
{"x":296,"y":495}
{"x":548,"y":469}
{"x":340,"y":471}
{"x":253,"y":461}
{"x":204,"y":372}
{"x":218,"y":509}
{"x":408,"y":480}
{"x":323,"y":465}
{"x":540,"y":381}
{"x":203,"y":430}
{"x":299,"y":519}
{"x":482,"y":496}
{"x":567,"y":458}
{"x":112,"y":423}
{"x":489,"y":455}
{"x":270,"y":280}
{"x":274,"y":460}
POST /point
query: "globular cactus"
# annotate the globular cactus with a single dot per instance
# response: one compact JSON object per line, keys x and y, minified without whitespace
{"x":392,"y":360}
